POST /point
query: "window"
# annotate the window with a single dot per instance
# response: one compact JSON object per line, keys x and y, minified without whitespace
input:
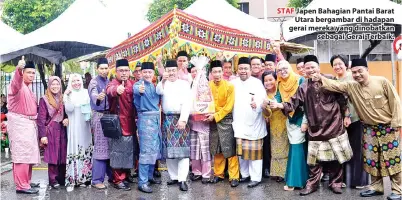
{"x":244,"y":7}
{"x":379,"y":57}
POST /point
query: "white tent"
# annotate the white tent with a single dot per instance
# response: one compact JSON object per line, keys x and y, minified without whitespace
{"x":87,"y":26}
{"x":221,"y":12}
{"x":10,"y":37}
{"x":337,"y":5}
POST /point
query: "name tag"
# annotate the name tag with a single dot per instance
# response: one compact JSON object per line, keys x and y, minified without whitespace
{"x":377,"y":96}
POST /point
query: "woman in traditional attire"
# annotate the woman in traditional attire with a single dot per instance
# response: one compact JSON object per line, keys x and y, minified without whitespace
{"x":354,"y":175}
{"x":297,"y":170}
{"x":51,"y":127}
{"x":79,"y":146}
{"x":279,"y":141}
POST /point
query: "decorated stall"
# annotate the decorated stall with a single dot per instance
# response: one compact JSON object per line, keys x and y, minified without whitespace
{"x":178,"y":31}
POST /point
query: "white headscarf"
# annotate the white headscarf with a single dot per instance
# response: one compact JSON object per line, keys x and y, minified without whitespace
{"x":77,"y":97}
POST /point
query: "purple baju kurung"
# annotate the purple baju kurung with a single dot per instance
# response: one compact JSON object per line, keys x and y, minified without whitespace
{"x":56,"y":150}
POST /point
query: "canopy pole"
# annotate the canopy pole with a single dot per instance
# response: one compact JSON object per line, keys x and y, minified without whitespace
{"x":265,"y":11}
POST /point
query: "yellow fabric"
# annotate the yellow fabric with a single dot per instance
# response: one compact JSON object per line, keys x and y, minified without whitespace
{"x":223,"y":94}
{"x":233,"y":168}
{"x":376,"y":103}
{"x":378,"y":185}
{"x":288,"y":86}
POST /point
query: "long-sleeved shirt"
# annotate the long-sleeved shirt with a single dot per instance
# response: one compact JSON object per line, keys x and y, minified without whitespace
{"x":324,"y":110}
{"x":94,"y":88}
{"x":149,"y":100}
{"x":375,"y":103}
{"x":125,"y":109}
{"x":352,"y":110}
{"x":248,"y":123}
{"x":21,"y":99}
{"x":224,"y":95}
{"x":176,"y":98}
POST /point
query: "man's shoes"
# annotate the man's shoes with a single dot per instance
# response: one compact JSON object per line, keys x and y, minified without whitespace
{"x":145,"y":188}
{"x":172,"y":182}
{"x":253,"y":184}
{"x":34,"y":185}
{"x":155,"y":181}
{"x":196,"y":177}
{"x":234,"y":183}
{"x":243,"y":180}
{"x":55,"y":186}
{"x":217,"y":179}
{"x":336,"y":190}
{"x":99,"y":186}
{"x":130,"y":179}
{"x":205,"y":180}
{"x":28,"y":191}
{"x":157,"y":173}
{"x":308,"y":190}
{"x":394,"y":196}
{"x":183,"y":186}
{"x":266,"y":173}
{"x":279,"y":180}
{"x":122,"y":186}
{"x":370,"y":193}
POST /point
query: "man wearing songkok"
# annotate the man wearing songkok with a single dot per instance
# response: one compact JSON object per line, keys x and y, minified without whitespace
{"x":182,"y":65}
{"x":22,"y":127}
{"x":300,"y":67}
{"x":328,"y":145}
{"x":379,"y":108}
{"x":248,"y":123}
{"x":270,"y":60}
{"x":100,"y":105}
{"x":222,"y":142}
{"x":176,"y":103}
{"x":146,"y":101}
{"x":123,"y":151}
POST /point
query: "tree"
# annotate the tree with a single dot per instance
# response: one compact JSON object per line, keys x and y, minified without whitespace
{"x":158,"y":8}
{"x":26,"y":16}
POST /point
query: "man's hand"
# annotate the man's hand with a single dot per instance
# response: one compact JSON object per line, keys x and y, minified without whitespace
{"x":43,"y":140}
{"x":277,"y":47}
{"x":347,"y":121}
{"x":65,"y":122}
{"x":67,"y":92}
{"x":181,"y":125}
{"x":120,"y":89}
{"x":159,"y":59}
{"x":210,"y":117}
{"x":101,"y":95}
{"x":316,"y":77}
{"x":21,"y":63}
{"x":304,"y":127}
{"x":142,"y":88}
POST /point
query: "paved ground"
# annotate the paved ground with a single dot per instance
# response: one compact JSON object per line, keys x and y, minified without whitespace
{"x":267,"y":190}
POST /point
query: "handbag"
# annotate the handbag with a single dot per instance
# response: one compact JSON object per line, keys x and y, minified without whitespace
{"x":111,"y":123}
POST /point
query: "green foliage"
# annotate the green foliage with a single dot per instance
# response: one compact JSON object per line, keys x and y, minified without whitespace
{"x":158,"y":8}
{"x":304,"y":3}
{"x":72,"y":66}
{"x":26,"y":16}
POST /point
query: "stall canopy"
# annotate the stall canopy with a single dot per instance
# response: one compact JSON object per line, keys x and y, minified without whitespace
{"x":221,"y":12}
{"x":340,"y":5}
{"x":178,"y":30}
{"x":10,"y":37}
{"x":87,"y":26}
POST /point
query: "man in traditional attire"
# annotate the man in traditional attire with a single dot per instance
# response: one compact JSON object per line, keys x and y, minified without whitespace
{"x":146,"y":101}
{"x":182,"y":65}
{"x":270,"y":60}
{"x":248,"y":123}
{"x":100,"y":105}
{"x":122,"y":151}
{"x":176,"y":103}
{"x":137,"y":73}
{"x":256,"y":68}
{"x":222,"y":142}
{"x":227,"y":70}
{"x":379,"y":108}
{"x":328,"y":145}
{"x":22,"y":128}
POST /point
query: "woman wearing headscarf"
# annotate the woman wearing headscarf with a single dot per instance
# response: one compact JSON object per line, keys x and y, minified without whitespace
{"x":296,"y":125}
{"x":79,"y":145}
{"x":51,"y":128}
{"x":278,"y":135}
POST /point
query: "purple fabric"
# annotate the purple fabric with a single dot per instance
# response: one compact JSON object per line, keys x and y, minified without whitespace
{"x":101,"y":143}
{"x":203,"y":168}
{"x":95,"y":87}
{"x":56,"y":173}
{"x":56,"y":149}
{"x":99,"y":169}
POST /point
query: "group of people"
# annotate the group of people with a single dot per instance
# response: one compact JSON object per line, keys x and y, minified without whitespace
{"x":269,"y":121}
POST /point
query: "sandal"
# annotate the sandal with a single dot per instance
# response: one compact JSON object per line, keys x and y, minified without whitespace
{"x":287,"y":188}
